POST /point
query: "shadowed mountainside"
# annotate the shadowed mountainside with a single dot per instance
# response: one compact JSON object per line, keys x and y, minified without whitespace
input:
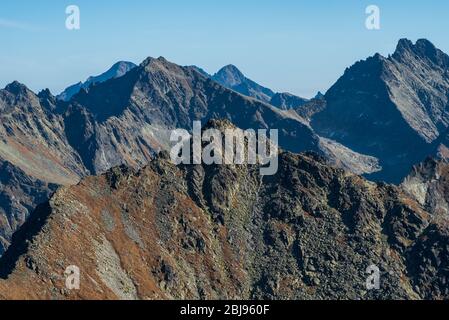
{"x":394,"y":109}
{"x":35,"y":155}
{"x":127,"y":120}
{"x":124,"y":120}
{"x":383,"y":116}
{"x":116,"y":71}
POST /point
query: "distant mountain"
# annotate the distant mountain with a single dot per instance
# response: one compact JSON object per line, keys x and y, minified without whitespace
{"x":319,"y":95}
{"x":116,"y":71}
{"x":394,"y":109}
{"x":286,"y":101}
{"x":231,"y":77}
{"x":201,"y":71}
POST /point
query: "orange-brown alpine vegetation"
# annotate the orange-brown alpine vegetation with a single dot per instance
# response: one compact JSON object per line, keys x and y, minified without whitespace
{"x":225,"y":232}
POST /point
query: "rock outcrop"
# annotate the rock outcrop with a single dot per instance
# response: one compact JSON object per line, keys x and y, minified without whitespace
{"x":287,"y":101}
{"x":428,"y":183}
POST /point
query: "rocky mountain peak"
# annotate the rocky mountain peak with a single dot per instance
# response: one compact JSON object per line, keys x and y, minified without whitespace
{"x":392,"y":108}
{"x":118,"y":70}
{"x":422,"y":49}
{"x":48,"y":101}
{"x":154,"y":61}
{"x":319,"y":95}
{"x":404,"y":45}
{"x":45,"y":93}
{"x":122,"y":67}
{"x":230,"y":75}
{"x":160,"y":70}
{"x":422,"y":46}
{"x":17,"y":88}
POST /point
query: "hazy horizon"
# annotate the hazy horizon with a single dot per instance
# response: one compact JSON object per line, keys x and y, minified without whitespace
{"x":294,"y":46}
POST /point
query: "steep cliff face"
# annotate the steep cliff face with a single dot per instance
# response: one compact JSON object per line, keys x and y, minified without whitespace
{"x":32,"y":136}
{"x":391,"y":108}
{"x":35,"y":155}
{"x":442,"y":147}
{"x":213,"y":232}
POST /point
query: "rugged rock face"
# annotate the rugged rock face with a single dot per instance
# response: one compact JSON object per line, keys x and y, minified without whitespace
{"x":32,"y":136}
{"x":287,"y":101}
{"x":116,"y":71}
{"x":430,"y":262}
{"x":429,"y":185}
{"x":35,"y":155}
{"x":391,"y":108}
{"x":215,"y":232}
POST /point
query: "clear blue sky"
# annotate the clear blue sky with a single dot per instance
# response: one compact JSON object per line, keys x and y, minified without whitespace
{"x":291,"y":45}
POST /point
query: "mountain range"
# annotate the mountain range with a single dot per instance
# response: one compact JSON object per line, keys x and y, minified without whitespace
{"x":92,"y":162}
{"x":232,"y":78}
{"x":221,"y":232}
{"x":124,"y":120}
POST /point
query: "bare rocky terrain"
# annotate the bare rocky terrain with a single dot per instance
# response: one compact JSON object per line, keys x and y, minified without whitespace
{"x":35,"y":155}
{"x":225,"y":232}
{"x":429,"y":184}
